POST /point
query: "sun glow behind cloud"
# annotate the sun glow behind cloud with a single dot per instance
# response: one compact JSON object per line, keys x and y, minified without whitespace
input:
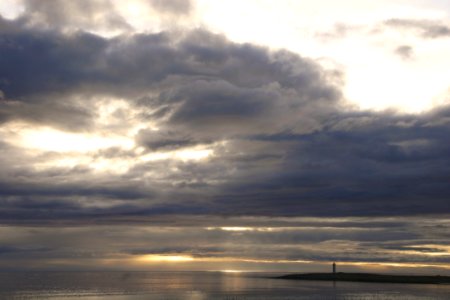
{"x":117,"y":125}
{"x":364,"y":52}
{"x":11,"y":8}
{"x":47,"y":139}
{"x":165,"y":258}
{"x":78,"y":149}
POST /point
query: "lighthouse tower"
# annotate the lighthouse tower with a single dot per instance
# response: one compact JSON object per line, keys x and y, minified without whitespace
{"x":334,"y":268}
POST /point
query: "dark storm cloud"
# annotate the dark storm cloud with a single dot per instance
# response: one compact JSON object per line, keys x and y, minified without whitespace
{"x":42,"y":63}
{"x":426,"y":28}
{"x":281,"y":144}
{"x":377,"y":168}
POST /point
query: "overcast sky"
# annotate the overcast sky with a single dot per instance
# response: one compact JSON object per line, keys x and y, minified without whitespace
{"x":225,"y":135}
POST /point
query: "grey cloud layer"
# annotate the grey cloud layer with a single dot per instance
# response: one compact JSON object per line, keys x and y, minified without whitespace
{"x":402,"y":241}
{"x":282,"y":145}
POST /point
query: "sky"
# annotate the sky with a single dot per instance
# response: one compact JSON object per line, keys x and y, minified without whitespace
{"x":225,"y":135}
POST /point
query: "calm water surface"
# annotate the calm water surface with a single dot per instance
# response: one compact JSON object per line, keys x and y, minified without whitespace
{"x":198,"y":286}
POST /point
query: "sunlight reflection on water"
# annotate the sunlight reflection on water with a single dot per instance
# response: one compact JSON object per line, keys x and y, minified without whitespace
{"x":198,"y":286}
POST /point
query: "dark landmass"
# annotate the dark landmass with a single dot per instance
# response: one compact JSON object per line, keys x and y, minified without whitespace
{"x":367,"y":277}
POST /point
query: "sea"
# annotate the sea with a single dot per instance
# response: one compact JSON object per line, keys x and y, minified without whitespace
{"x":199,"y":286}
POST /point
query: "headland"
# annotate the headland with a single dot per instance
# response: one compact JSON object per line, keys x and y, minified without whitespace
{"x":369,"y":277}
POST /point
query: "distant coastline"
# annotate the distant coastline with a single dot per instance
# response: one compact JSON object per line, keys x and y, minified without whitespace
{"x":368,"y":277}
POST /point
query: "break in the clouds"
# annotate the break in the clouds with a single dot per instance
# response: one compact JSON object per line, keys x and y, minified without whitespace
{"x":180,"y":143}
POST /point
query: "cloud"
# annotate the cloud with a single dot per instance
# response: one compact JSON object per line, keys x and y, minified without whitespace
{"x":426,"y":28}
{"x":339,"y":31}
{"x":405,"y":52}
{"x":60,"y":14}
{"x":183,"y":142}
{"x":377,"y":168}
{"x":202,"y":76}
{"x":65,"y":116}
{"x":105,"y":17}
{"x":177,"y":7}
{"x":155,"y":140}
{"x":379,"y":243}
{"x":276,"y":140}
